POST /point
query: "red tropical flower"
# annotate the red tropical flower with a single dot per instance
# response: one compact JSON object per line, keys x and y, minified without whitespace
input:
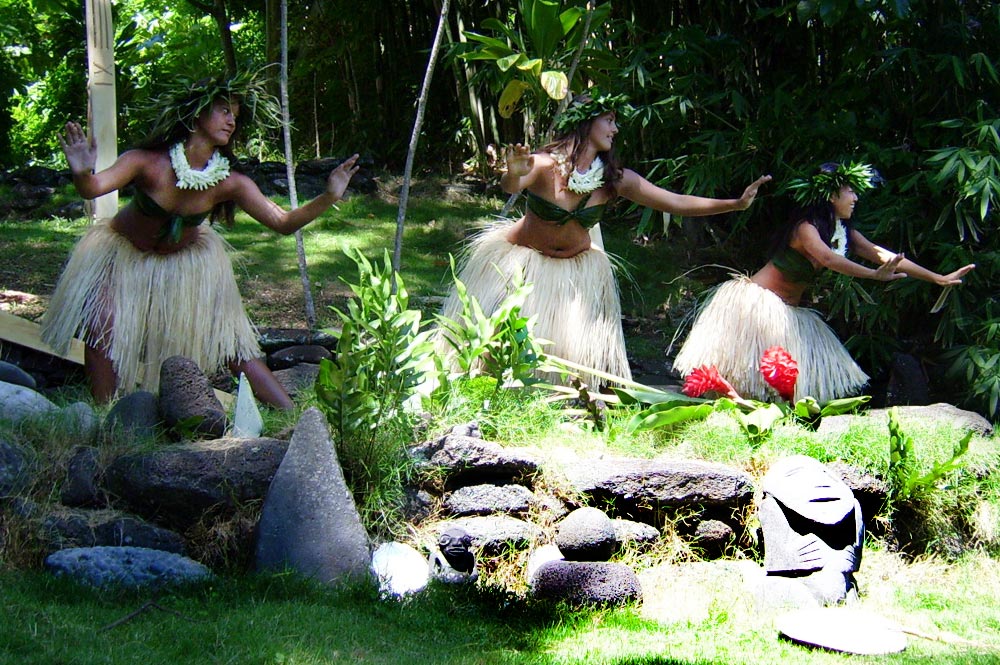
{"x":780,"y":371}
{"x":703,"y":379}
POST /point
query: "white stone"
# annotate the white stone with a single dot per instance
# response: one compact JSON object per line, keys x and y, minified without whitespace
{"x":541,"y":556}
{"x":247,"y":422}
{"x":400,"y":569}
{"x":843,"y":629}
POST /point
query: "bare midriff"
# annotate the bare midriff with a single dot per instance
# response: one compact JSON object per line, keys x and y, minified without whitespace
{"x":560,"y":241}
{"x":146,"y":233}
{"x":770,"y":278}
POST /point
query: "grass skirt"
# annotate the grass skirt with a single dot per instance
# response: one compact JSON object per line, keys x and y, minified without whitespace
{"x":575,"y":300}
{"x":742,"y":320}
{"x":185,"y":303}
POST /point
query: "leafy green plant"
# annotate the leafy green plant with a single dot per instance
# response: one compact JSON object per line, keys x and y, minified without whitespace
{"x":382,"y":356}
{"x":532,"y":50}
{"x":906,"y":482}
{"x":500,"y":345}
{"x":756,"y":418}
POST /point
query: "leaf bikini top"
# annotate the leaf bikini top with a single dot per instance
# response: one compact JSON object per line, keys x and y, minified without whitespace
{"x":174,"y":223}
{"x":550,"y":212}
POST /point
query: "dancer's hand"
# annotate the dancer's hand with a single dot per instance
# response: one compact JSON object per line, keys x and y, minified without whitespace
{"x":340,"y":177}
{"x":954,"y":278}
{"x":750,"y":193}
{"x":519,"y":159}
{"x":887,"y":271}
{"x":81,"y":153}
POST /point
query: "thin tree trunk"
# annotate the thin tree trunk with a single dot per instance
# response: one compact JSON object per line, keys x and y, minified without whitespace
{"x":316,"y":116}
{"x":286,"y":127}
{"x":415,"y":137}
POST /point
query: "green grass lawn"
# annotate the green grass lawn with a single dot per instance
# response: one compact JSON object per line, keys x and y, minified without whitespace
{"x":280,"y":620}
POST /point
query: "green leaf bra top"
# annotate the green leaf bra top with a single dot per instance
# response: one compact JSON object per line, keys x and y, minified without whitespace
{"x":550,"y":212}
{"x":794,"y":266}
{"x":174,"y":223}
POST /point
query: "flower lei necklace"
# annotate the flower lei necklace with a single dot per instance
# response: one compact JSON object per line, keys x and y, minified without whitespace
{"x":585,"y":183}
{"x":214,"y":172}
{"x":838,"y":242}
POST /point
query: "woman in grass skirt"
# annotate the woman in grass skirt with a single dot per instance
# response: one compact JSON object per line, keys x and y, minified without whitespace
{"x":567,"y":185}
{"x":747,"y":315}
{"x":153,"y":281}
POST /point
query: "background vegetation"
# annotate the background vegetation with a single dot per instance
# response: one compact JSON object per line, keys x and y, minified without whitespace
{"x":726,"y":91}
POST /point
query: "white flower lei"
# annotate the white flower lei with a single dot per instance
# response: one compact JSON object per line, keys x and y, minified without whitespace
{"x":214,"y":172}
{"x":838,"y":242}
{"x":585,"y":183}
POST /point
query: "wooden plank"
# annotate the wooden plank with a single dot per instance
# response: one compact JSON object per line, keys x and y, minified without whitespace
{"x":29,"y":334}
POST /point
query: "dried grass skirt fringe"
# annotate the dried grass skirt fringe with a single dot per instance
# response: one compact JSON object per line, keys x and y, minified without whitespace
{"x":742,"y":320}
{"x":185,"y":303}
{"x":575,"y":299}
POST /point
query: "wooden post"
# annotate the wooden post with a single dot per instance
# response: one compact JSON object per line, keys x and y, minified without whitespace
{"x":102,"y":105}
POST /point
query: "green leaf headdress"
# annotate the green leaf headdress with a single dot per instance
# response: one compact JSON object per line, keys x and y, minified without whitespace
{"x":184,"y":99}
{"x":829,"y":178}
{"x":590,"y":105}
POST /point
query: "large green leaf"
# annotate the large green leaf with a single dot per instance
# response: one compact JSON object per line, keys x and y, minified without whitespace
{"x":544,"y":27}
{"x":555,"y":84}
{"x":510,"y":98}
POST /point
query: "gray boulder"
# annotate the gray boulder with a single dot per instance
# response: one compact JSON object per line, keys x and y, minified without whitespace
{"x":11,"y":373}
{"x":79,"y":419}
{"x":488,"y":499}
{"x":18,"y":402}
{"x":309,"y":522}
{"x":586,"y":583}
{"x":126,"y":567}
{"x":299,"y":379}
{"x":713,"y":537}
{"x":187,"y":400}
{"x":15,"y":469}
{"x":136,"y":414}
{"x":940,"y":412}
{"x":586,"y":534}
{"x":661,"y":483}
{"x":295,"y":355}
{"x":176,"y":485}
{"x":634,"y":534}
{"x":497,"y":534}
{"x":67,"y":527}
{"x":466,"y":460}
{"x":81,"y":487}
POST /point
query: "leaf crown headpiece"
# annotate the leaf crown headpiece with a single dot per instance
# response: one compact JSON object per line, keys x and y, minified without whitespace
{"x":589,"y":105}
{"x":184,"y":99}
{"x":830,"y":177}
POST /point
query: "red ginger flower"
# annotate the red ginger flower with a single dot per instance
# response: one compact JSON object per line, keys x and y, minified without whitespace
{"x":703,"y":379}
{"x":780,"y":371}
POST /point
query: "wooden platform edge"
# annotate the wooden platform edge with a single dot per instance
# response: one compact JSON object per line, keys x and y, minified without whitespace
{"x":27,"y":333}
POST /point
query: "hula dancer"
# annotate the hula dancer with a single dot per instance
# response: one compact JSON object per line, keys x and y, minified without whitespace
{"x":567,"y":185}
{"x":748,"y":315}
{"x":154,"y":281}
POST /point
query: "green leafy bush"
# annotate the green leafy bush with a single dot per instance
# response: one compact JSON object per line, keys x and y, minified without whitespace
{"x":383,"y":354}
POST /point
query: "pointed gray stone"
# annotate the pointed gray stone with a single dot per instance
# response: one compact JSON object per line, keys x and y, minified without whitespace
{"x":309,"y":523}
{"x":247,"y":422}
